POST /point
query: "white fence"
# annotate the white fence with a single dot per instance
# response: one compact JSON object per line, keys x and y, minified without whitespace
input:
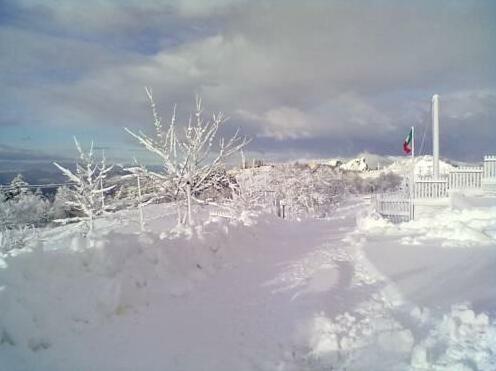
{"x":461,"y":178}
{"x":399,"y":207}
{"x":465,"y":178}
{"x":489,"y":176}
{"x":490,"y":166}
{"x":431,"y":188}
{"x":396,"y":207}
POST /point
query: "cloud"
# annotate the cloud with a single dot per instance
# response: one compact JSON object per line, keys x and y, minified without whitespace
{"x":469,"y":104}
{"x":349,"y":73}
{"x":281,"y":123}
{"x":345,"y":115}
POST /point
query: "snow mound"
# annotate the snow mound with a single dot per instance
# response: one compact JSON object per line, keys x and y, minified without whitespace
{"x":74,"y":284}
{"x":375,"y":161}
{"x":423,"y":166}
{"x":334,"y":162}
{"x":358,"y":339}
{"x":370,"y":335}
{"x":462,"y":341}
{"x":357,"y":164}
{"x":469,"y":227}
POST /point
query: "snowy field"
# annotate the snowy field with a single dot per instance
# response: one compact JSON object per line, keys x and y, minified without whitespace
{"x":349,"y":292}
{"x":236,"y":185}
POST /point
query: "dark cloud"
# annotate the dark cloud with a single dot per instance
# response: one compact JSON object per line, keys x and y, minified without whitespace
{"x":9,"y":153}
{"x":320,"y":77}
{"x":7,"y":121}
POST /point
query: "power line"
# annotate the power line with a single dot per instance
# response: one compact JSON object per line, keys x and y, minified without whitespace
{"x":49,"y":185}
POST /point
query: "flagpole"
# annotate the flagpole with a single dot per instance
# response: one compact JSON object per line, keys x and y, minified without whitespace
{"x":412,"y":188}
{"x":413,"y":142}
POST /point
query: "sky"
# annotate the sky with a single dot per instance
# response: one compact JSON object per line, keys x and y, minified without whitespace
{"x":304,"y":79}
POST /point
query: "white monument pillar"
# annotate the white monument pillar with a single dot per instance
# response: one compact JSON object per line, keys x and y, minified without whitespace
{"x":435,"y":136}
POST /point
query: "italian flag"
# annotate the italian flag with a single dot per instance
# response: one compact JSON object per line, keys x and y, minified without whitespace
{"x":407,"y":144}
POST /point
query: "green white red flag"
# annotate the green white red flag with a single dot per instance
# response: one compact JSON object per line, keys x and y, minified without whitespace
{"x":408,"y":143}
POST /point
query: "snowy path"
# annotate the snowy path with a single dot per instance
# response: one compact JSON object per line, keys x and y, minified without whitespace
{"x":279,"y":295}
{"x":250,"y":317}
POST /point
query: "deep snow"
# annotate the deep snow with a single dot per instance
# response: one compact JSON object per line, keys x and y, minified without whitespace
{"x":347,"y":292}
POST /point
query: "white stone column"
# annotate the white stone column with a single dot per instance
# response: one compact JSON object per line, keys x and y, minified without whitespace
{"x":435,"y":136}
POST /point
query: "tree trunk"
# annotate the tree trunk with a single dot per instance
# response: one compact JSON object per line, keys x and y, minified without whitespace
{"x":140,"y":206}
{"x":188,"y":195}
{"x":103,"y":196}
{"x":178,"y":206}
{"x":243,"y":160}
{"x":91,"y":221}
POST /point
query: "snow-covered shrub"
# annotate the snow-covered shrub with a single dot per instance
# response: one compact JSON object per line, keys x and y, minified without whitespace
{"x":60,"y":208}
{"x":311,"y":191}
{"x":306,"y":189}
{"x":15,"y":238}
{"x":221,"y":186}
{"x":191,"y":163}
{"x":18,"y":187}
{"x":21,"y":207}
{"x":359,"y":185}
{"x":387,"y":182}
{"x":152,"y":187}
{"x":27,"y":209}
{"x":87,"y":195}
{"x":302,"y":189}
{"x":20,"y":211}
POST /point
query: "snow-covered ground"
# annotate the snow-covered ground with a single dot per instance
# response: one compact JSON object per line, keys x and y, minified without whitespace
{"x":350,"y":292}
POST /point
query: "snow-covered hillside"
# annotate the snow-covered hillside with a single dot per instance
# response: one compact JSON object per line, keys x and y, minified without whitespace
{"x":371,"y":165}
{"x":423,"y":166}
{"x":357,"y":164}
{"x":256,"y":293}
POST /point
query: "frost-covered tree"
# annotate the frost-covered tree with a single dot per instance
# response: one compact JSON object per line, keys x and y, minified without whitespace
{"x":303,"y":190}
{"x":19,"y":206}
{"x":19,"y":215}
{"x":16,"y":238}
{"x":191,"y":160}
{"x":306,"y":189}
{"x":18,"y":186}
{"x":384,"y":182}
{"x":60,"y":208}
{"x":87,"y":194}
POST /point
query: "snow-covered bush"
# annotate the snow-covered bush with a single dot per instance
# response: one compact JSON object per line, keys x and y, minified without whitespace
{"x":387,"y":182}
{"x":20,"y":211}
{"x":60,"y":208}
{"x":27,"y":209}
{"x":18,"y":187}
{"x":303,"y":190}
{"x":19,"y":207}
{"x":221,"y":186}
{"x":191,"y":163}
{"x":146,"y":185}
{"x":384,"y":182}
{"x":87,"y":194}
{"x":306,"y":191}
{"x":15,"y":238}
